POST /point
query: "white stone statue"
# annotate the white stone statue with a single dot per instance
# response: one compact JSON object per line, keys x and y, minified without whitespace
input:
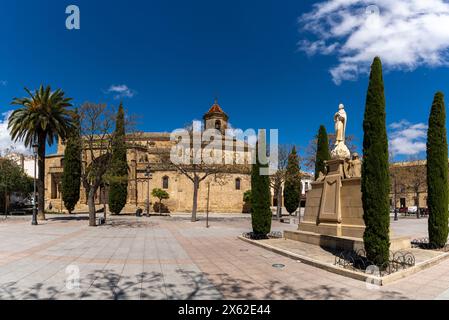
{"x":340,"y":119}
{"x":340,"y":151}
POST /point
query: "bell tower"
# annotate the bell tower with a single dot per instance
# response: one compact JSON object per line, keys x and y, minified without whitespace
{"x":215,"y":118}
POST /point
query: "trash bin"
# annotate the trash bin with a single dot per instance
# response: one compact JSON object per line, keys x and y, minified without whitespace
{"x":139,"y":212}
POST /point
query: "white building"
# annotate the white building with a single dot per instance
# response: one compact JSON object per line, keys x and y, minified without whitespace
{"x":306,"y":182}
{"x":25,"y":162}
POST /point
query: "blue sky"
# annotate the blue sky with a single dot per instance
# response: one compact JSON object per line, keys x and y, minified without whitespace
{"x":267,"y":69}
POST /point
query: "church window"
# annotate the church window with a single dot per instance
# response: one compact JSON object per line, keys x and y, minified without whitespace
{"x":238,"y":182}
{"x":165,"y":181}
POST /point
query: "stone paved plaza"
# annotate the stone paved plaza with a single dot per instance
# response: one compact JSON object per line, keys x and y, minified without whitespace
{"x":172,"y":258}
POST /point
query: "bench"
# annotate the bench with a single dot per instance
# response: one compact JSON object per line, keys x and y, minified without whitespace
{"x":17,"y":212}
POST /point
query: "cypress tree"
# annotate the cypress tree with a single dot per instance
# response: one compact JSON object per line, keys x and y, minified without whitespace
{"x":71,"y":176}
{"x":375,"y":171}
{"x":437,"y":173}
{"x":322,"y":151}
{"x":292,"y":185}
{"x":118,"y":177}
{"x":261,"y":214}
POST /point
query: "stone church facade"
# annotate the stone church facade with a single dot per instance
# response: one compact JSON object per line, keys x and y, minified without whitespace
{"x":408,"y":184}
{"x":226,"y":193}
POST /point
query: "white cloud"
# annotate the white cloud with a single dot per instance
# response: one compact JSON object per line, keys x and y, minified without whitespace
{"x":407,"y":139}
{"x":121,"y":91}
{"x":406,"y":34}
{"x":5,"y":138}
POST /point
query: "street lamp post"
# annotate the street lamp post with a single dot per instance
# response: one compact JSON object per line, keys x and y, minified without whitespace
{"x":395,"y":208}
{"x":35,"y":150}
{"x":148,"y":175}
{"x":207,"y":207}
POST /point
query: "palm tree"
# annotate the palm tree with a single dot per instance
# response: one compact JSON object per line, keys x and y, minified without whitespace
{"x":43,"y":117}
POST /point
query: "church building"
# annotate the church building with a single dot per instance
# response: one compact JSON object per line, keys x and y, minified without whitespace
{"x":144,"y":154}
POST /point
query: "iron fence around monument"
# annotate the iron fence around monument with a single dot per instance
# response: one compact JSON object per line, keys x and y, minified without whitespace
{"x":271,"y":235}
{"x":425,"y":244}
{"x":356,"y":260}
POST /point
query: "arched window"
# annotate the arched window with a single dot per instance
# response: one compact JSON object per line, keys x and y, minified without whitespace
{"x":218,"y":125}
{"x":238,"y":184}
{"x":165,"y":182}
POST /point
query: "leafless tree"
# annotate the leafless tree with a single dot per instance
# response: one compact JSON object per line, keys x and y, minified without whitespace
{"x":8,"y":151}
{"x":97,"y":122}
{"x":310,"y":151}
{"x":195,"y":166}
{"x":277,"y":179}
{"x":408,"y":177}
{"x":416,"y":177}
{"x":97,"y":125}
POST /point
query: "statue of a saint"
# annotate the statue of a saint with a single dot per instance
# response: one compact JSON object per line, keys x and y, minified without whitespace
{"x":340,"y":151}
{"x":340,"y":119}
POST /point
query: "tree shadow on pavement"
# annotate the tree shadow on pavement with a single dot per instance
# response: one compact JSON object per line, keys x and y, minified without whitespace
{"x":10,"y":291}
{"x":178,"y":285}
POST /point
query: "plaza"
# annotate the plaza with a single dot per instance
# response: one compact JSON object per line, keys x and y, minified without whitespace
{"x":172,"y":258}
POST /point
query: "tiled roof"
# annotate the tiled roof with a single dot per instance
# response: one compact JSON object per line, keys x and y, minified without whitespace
{"x":215,"y":108}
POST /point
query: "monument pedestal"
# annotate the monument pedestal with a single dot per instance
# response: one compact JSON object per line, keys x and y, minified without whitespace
{"x":334,"y":205}
{"x":333,"y":216}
